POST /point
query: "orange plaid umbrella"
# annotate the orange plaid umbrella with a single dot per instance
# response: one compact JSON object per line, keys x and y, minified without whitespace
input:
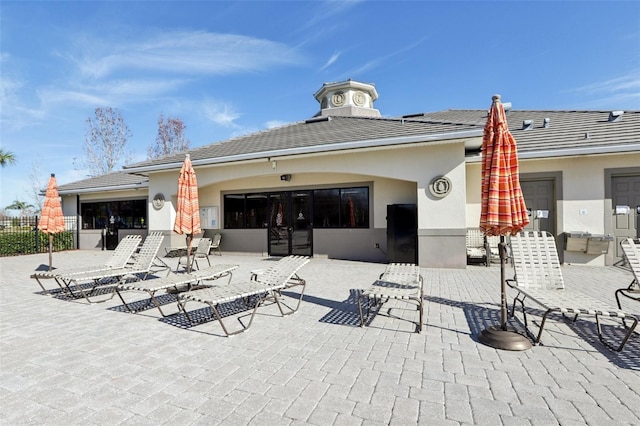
{"x":188,"y":210}
{"x":503,"y":210}
{"x":51,"y":221}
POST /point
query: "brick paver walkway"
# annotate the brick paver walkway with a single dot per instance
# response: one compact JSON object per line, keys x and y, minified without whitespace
{"x":67,"y":362}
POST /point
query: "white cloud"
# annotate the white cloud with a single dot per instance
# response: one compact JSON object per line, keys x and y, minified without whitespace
{"x":220,"y":113}
{"x":629,"y":83}
{"x":184,"y":53}
{"x":275,"y":123}
{"x":331,"y":60}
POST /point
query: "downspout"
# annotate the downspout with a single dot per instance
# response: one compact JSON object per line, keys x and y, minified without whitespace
{"x":78,"y":221}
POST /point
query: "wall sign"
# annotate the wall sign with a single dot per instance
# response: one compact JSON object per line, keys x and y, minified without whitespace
{"x":440,"y":186}
{"x":158,"y":201}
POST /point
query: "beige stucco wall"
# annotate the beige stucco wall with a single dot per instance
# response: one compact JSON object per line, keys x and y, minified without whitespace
{"x":582,"y":205}
{"x":396,"y":176}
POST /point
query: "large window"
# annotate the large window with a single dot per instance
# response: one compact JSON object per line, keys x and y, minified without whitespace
{"x":245,"y":211}
{"x":121,"y":214}
{"x":332,"y":208}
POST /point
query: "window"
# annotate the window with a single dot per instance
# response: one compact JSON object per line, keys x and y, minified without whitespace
{"x":126,"y":214}
{"x":332,"y":208}
{"x":341,"y":208}
{"x":354,"y":207}
{"x":326,"y":208}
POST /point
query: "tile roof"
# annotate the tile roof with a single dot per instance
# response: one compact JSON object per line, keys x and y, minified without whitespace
{"x":114,"y":181}
{"x":568,"y":133}
{"x":313,"y":133}
{"x":567,"y":130}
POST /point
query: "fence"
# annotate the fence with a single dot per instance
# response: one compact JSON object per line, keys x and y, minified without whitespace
{"x":20,"y":235}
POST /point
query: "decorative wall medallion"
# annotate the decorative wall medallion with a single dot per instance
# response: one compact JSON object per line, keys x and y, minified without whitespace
{"x":359,"y":98}
{"x":440,"y":186}
{"x":338,"y":99}
{"x":158,"y":201}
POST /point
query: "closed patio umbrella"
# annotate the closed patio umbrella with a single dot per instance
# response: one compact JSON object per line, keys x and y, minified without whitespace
{"x":188,"y":209}
{"x":503,"y":211}
{"x":51,"y":221}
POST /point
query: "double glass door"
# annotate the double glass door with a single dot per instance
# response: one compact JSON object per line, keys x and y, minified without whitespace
{"x":290,"y":224}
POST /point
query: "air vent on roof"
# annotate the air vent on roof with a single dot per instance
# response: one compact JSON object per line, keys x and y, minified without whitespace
{"x":546,"y":122}
{"x":413,"y":115}
{"x":615,"y":115}
{"x":507,"y":106}
{"x":527,"y":124}
{"x":317,"y":119}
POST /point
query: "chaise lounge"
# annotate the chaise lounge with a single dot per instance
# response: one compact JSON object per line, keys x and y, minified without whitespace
{"x":268,"y":286}
{"x":538,"y":278}
{"x":399,"y":281}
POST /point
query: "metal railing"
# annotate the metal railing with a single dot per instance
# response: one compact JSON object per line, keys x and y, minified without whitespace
{"x":20,"y":235}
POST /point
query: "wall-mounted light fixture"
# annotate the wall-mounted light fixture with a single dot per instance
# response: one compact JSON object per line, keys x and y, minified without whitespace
{"x":285,"y":177}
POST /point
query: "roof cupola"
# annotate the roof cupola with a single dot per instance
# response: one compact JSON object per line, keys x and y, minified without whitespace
{"x":347,"y":98}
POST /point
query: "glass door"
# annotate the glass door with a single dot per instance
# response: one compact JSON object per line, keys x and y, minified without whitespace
{"x":302,"y":234}
{"x":279,"y":224}
{"x":290,"y":226}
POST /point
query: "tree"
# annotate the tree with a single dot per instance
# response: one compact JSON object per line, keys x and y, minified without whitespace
{"x":170,"y":138}
{"x":38,"y":185}
{"x":23,"y":206}
{"x":105,"y":141}
{"x":7,"y":158}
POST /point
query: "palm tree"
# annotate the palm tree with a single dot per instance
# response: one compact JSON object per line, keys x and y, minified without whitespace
{"x":19,"y":205}
{"x":7,"y":157}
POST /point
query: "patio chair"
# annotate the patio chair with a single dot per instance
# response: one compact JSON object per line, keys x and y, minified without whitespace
{"x":142,"y":265}
{"x":215,"y":244}
{"x":269,"y":286}
{"x":631,"y":254}
{"x":175,"y":283}
{"x":401,"y":281}
{"x":201,"y":252}
{"x":179,"y":251}
{"x":481,"y":248}
{"x":118,"y":259}
{"x":538,"y":278}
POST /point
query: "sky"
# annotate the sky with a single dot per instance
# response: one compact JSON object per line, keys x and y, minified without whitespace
{"x":231,"y":68}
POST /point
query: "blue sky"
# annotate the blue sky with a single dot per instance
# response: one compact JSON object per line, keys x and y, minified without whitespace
{"x":229,"y":68}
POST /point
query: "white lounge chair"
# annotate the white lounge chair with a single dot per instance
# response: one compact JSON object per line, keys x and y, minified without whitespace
{"x":401,"y":281}
{"x":631,"y":254}
{"x":268,"y":286}
{"x":175,"y":283}
{"x":538,"y":278}
{"x":143,"y":264}
{"x":201,"y":252}
{"x":215,"y":244}
{"x":118,"y":259}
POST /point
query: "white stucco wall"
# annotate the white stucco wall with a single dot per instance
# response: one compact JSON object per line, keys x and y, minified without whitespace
{"x":581,"y":205}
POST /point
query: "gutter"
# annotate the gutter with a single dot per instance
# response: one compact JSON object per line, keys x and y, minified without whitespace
{"x":104,"y":188}
{"x":368,"y":143}
{"x":568,"y":152}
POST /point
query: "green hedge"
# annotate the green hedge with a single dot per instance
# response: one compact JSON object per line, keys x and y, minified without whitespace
{"x":15,"y":243}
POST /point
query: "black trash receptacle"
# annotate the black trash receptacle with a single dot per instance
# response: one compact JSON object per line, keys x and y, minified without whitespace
{"x":111,"y":239}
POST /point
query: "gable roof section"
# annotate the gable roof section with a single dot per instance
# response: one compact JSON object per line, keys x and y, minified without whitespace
{"x":568,"y":132}
{"x":316,"y":135}
{"x":115,"y":181}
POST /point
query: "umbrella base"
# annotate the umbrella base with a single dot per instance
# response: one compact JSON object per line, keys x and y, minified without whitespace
{"x":508,"y":339}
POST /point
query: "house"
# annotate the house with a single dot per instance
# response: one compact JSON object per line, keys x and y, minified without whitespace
{"x":349,"y":183}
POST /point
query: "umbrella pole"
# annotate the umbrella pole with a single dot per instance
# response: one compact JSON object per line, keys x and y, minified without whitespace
{"x":502,"y":247}
{"x":50,"y":251}
{"x":501,"y":336}
{"x":188,"y":253}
